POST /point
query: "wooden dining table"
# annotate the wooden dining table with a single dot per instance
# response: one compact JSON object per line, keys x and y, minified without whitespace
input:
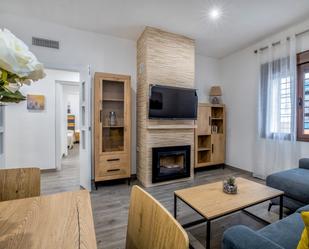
{"x":59,"y":221}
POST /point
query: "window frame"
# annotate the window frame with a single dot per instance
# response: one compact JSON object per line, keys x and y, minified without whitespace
{"x":302,"y":65}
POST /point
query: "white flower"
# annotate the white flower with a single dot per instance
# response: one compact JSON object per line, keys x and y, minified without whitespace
{"x":13,"y":87}
{"x":16,"y":58}
{"x":26,"y":81}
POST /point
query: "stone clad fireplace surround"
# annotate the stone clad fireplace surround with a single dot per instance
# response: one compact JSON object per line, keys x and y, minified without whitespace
{"x":166,"y":59}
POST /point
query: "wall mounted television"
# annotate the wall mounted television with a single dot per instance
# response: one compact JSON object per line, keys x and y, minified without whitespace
{"x":167,"y":102}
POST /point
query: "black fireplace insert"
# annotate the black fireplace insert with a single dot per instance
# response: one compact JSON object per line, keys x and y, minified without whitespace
{"x":169,"y":163}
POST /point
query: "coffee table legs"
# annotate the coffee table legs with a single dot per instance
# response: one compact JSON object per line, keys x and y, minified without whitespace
{"x":175,"y":206}
{"x":281,"y":207}
{"x":208,"y":224}
{"x":208,"y":234}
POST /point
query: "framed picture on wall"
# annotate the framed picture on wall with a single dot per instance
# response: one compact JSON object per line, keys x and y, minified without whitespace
{"x":35,"y":102}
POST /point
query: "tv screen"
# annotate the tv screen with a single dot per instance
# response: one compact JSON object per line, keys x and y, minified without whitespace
{"x":172,"y":103}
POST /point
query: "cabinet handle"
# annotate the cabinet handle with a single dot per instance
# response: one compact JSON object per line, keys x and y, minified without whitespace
{"x":212,"y":148}
{"x":113,"y":170}
{"x":113,"y":159}
{"x":100,"y":116}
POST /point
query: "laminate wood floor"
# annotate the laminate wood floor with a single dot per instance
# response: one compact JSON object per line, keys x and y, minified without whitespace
{"x":110,"y":204}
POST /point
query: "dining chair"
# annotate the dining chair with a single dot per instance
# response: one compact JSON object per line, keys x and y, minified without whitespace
{"x":151,"y":226}
{"x":19,"y":183}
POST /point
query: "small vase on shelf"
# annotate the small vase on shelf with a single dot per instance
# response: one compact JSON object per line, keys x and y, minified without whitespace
{"x":112,"y":119}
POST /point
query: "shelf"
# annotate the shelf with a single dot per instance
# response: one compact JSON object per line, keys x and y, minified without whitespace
{"x":203,"y":143}
{"x":216,"y":118}
{"x":203,"y":149}
{"x":199,"y":165}
{"x":115,"y":126}
{"x":114,"y":100}
{"x":167,"y":127}
{"x":204,"y":157}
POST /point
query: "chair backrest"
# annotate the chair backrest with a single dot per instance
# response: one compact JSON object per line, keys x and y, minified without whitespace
{"x":19,"y":183}
{"x":151,"y":226}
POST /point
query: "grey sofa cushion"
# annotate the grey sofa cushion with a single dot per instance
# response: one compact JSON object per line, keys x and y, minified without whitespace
{"x":294,"y":182}
{"x":304,"y":163}
{"x":242,"y":237}
{"x":286,"y":232}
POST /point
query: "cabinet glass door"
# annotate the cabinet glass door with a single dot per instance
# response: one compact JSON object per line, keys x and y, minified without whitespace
{"x":112,"y":116}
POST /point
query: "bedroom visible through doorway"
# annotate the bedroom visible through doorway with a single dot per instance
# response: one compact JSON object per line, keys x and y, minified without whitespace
{"x":67,"y":128}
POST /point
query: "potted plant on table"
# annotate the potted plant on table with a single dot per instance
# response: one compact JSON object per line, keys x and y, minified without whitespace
{"x":230,"y":186}
{"x":18,"y":66}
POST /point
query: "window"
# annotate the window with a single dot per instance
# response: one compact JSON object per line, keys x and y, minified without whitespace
{"x":276,"y":103}
{"x":285,"y":106}
{"x":303,"y":97}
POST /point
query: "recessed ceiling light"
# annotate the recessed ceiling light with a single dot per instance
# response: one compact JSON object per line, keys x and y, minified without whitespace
{"x":215,"y":13}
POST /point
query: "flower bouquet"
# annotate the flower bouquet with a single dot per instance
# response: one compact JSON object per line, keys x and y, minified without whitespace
{"x":18,"y":66}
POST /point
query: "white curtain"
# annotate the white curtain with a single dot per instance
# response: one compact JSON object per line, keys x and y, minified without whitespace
{"x":276,"y":148}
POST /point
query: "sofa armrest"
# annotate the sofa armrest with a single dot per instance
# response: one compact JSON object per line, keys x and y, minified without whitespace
{"x":242,"y":237}
{"x":304,"y":163}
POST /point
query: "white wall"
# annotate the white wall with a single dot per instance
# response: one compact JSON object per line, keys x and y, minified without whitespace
{"x":104,"y":53}
{"x":206,"y":75}
{"x":30,"y":135}
{"x":240,"y":87}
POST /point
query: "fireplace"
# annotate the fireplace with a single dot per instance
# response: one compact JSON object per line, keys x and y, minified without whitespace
{"x":169,"y":163}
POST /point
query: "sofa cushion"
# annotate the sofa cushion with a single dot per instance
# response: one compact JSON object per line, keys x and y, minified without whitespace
{"x":303,"y":209}
{"x":286,"y":232}
{"x":294,"y":183}
{"x":304,"y":163}
{"x":242,"y":237}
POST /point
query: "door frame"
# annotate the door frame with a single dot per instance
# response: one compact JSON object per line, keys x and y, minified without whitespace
{"x":80,"y":68}
{"x":2,"y":131}
{"x":58,"y":113}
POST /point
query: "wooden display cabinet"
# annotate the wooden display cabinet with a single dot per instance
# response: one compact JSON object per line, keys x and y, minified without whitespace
{"x":112,"y":127}
{"x":210,"y":135}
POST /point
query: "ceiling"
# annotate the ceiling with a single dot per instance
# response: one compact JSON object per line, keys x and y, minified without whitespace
{"x":243,"y":22}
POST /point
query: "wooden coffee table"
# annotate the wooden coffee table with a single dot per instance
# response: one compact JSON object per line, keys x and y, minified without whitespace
{"x":212,"y":203}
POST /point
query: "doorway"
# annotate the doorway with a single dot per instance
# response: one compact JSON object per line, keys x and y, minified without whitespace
{"x":67,"y":126}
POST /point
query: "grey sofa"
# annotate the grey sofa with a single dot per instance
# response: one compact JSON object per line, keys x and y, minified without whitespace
{"x":294,"y":183}
{"x":283,"y":234}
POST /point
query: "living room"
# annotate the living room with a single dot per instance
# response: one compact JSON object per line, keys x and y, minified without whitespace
{"x":192,"y":129}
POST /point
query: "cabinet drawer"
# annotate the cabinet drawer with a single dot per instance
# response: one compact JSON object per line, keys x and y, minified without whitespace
{"x":114,"y":165}
{"x":114,"y":171}
{"x":114,"y":161}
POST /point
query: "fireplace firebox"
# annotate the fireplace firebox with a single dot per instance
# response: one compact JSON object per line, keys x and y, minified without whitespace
{"x":169,"y":163}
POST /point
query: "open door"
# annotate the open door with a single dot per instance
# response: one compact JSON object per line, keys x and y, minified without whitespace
{"x":85,"y":128}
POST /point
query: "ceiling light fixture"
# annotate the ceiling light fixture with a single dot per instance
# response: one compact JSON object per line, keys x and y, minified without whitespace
{"x":215,"y":13}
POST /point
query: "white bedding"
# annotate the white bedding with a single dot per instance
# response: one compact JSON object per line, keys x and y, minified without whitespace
{"x":70,"y":137}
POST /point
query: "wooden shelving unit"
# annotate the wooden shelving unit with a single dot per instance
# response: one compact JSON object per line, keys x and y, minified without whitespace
{"x":112,"y":140}
{"x":210,"y":135}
